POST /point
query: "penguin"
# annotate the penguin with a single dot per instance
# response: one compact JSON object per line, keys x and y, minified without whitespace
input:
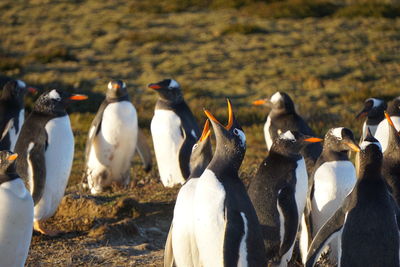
{"x":391,"y":161}
{"x":112,"y":140}
{"x":278,"y":192}
{"x":333,"y":178}
{"x":227,"y":230}
{"x":283,"y":117}
{"x":181,"y":245}
{"x":46,"y":150}
{"x":12,"y":112}
{"x":16,"y":213}
{"x":174,"y":131}
{"x":367,"y":222}
{"x":382,"y":131}
{"x":373,"y":110}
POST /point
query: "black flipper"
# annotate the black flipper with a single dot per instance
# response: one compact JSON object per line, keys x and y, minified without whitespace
{"x":185,"y":151}
{"x":6,"y":128}
{"x":396,"y":210}
{"x":288,"y":206}
{"x":37,"y":161}
{"x":331,"y":227}
{"x":168,"y":252}
{"x":234,"y":233}
{"x":144,"y":151}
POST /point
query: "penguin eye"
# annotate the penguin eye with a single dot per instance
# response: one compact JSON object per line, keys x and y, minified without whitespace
{"x":236,"y":131}
{"x":195,"y":147}
{"x":241,"y":136}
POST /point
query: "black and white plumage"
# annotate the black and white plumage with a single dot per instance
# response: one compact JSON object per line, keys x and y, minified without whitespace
{"x":367,"y":223}
{"x":12,"y":112}
{"x":181,"y":246}
{"x":373,"y":110}
{"x":226,"y":227}
{"x":333,"y":178}
{"x":16,"y":214}
{"x":112,"y":140}
{"x":174,"y":131}
{"x":279,"y":192}
{"x":382,"y":131}
{"x":283,"y":117}
{"x":46,"y":150}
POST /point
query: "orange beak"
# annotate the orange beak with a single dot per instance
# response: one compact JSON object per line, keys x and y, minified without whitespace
{"x":389,"y":119}
{"x":154,"y":86}
{"x":206,"y":131}
{"x":313,"y":140}
{"x":12,"y":157}
{"x":353,"y":147}
{"x":259,"y":102}
{"x":78,"y":97}
{"x":230,"y":116}
{"x":32,"y":90}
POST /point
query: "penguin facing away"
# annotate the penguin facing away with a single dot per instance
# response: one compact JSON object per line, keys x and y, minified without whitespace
{"x":367,"y":223}
{"x":283,"y":117}
{"x":226,"y":227}
{"x":373,"y":110}
{"x":382,"y":132}
{"x":12,"y":112}
{"x":391,"y":161}
{"x":333,"y":178}
{"x":46,"y":150}
{"x":16,"y":213}
{"x":181,"y":244}
{"x":278,"y":192}
{"x":112,"y":140}
{"x":174,"y":131}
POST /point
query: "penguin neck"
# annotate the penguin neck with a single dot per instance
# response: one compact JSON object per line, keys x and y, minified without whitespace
{"x":12,"y":102}
{"x":279,"y":156}
{"x":275,"y":112}
{"x":375,"y":119}
{"x":111,"y":99}
{"x":331,"y":155}
{"x":167,"y":104}
{"x":8,"y":176}
{"x":370,"y":171}
{"x":225,"y":164}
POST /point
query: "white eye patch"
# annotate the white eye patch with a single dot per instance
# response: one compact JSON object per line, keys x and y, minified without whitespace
{"x":288,"y":136}
{"x":275,"y":98}
{"x":54,"y":95}
{"x":337,"y":132}
{"x":173,"y":84}
{"x":109,"y":86}
{"x":241,"y":136}
{"x":21,"y":84}
{"x":367,"y":143}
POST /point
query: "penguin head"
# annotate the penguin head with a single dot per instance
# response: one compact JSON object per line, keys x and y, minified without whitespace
{"x":16,"y":89}
{"x":340,"y":139}
{"x":201,"y":152}
{"x":230,"y":139}
{"x":169,"y":90}
{"x":279,"y":102}
{"x":373,"y":108}
{"x":371,"y":153}
{"x":7,"y":162}
{"x":116,"y":89}
{"x":291,"y":142}
{"x":394,"y":107}
{"x":54,"y":102}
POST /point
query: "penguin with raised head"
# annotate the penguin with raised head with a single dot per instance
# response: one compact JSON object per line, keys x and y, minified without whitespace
{"x":333,"y":178}
{"x":16,"y":213}
{"x":382,"y":132}
{"x":283,"y":117}
{"x":279,"y":192}
{"x":391,"y":161}
{"x":181,"y":246}
{"x":227,"y":230}
{"x":12,"y":112}
{"x":46,"y":150}
{"x":373,"y":110}
{"x":174,"y":131}
{"x":112,"y":140}
{"x":367,"y":222}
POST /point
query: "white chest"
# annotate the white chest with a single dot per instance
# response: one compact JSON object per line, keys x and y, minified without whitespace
{"x":167,"y":139}
{"x":382,"y":131}
{"x":13,"y":133}
{"x":267,"y":135}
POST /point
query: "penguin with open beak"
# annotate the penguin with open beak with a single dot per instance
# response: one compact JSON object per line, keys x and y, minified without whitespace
{"x":227,"y":230}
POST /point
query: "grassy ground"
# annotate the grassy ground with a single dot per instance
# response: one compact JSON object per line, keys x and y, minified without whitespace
{"x":329,"y":66}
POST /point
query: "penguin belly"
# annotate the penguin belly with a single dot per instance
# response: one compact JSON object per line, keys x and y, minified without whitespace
{"x":267,"y":135}
{"x":58,"y":162}
{"x":184,"y":244}
{"x":16,"y":223}
{"x":167,"y":139}
{"x":13,"y":133}
{"x":382,"y":132}
{"x":210,"y":221}
{"x":333,"y":181}
{"x":113,"y":148}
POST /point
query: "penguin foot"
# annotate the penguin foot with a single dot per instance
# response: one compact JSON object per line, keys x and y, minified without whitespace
{"x":39,"y":227}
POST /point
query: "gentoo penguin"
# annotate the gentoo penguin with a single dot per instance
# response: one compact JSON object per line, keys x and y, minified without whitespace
{"x":16,"y":213}
{"x":227,"y":230}
{"x":373,"y":110}
{"x":279,"y":192}
{"x":391,"y":161}
{"x":382,"y":132}
{"x":333,"y":178}
{"x":282,"y":118}
{"x":46,"y":150}
{"x":367,"y":223}
{"x":174,"y":131}
{"x":181,"y":244}
{"x":112,"y":140}
{"x":12,"y":112}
